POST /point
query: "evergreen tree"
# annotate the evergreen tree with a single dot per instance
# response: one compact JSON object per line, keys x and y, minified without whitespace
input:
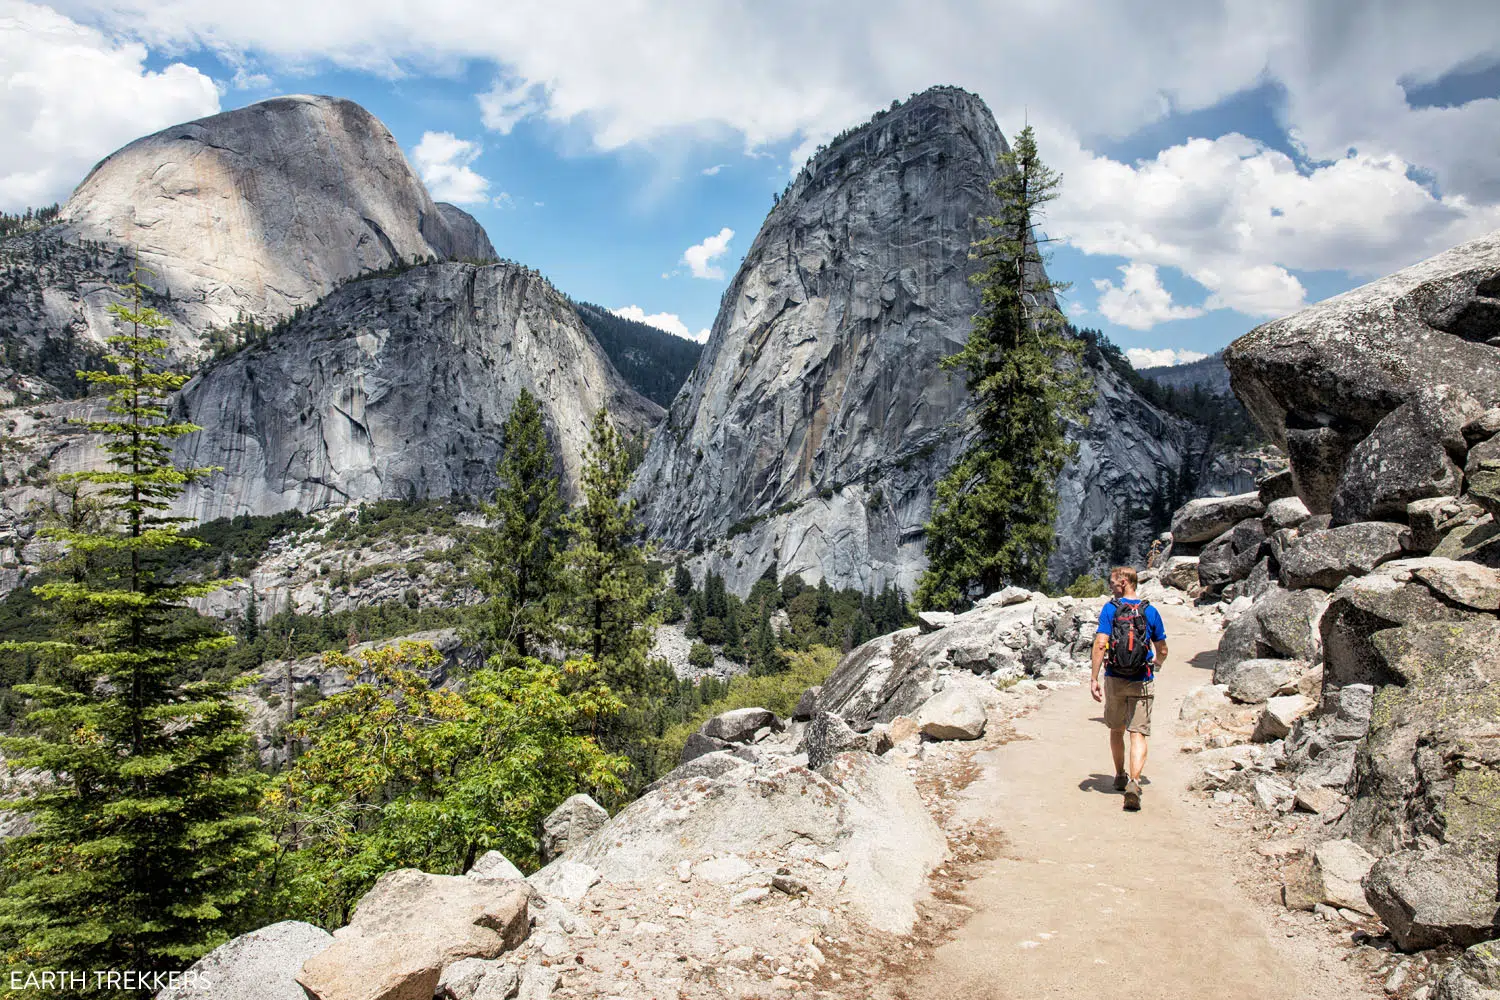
{"x":993,"y":515}
{"x":250,"y":624}
{"x":517,"y":566}
{"x":146,"y":836}
{"x":608,"y":581}
{"x":682,"y":580}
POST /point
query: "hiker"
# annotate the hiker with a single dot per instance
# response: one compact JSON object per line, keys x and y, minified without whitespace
{"x":1130,"y":645}
{"x":1154,"y":555}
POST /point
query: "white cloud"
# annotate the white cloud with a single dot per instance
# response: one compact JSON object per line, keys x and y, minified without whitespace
{"x":503,"y":200}
{"x":670,"y":322}
{"x":731,"y":68}
{"x":506,"y":104}
{"x":443,"y":160}
{"x":711,"y":171}
{"x":1139,"y":302}
{"x":1238,"y":218}
{"x":698,"y":258}
{"x":1145,"y":357}
{"x":70,"y":95}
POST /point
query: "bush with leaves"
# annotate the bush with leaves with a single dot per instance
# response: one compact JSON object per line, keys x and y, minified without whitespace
{"x":398,"y":774}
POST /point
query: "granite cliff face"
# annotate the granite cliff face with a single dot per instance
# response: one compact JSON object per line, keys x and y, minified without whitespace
{"x":818,"y":420}
{"x":246,"y":214}
{"x":397,"y":386}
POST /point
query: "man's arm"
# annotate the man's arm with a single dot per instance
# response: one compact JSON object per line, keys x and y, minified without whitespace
{"x":1161,"y":653}
{"x":1101,"y":646}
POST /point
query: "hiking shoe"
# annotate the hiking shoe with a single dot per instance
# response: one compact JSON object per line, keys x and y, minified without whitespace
{"x":1120,"y":782}
{"x":1132,"y":796}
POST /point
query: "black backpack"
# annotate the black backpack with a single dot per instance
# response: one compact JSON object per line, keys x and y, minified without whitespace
{"x":1130,"y":641}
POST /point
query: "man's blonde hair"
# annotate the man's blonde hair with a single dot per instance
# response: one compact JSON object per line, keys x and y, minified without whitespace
{"x":1126,"y":573}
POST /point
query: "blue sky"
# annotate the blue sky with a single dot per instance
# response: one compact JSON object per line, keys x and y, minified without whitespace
{"x":1221,"y":166}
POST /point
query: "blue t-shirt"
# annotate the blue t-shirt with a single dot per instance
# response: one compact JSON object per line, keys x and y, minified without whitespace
{"x":1154,"y":623}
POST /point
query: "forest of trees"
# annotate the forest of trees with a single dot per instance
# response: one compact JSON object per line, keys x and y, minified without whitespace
{"x":654,"y":362}
{"x":31,"y":218}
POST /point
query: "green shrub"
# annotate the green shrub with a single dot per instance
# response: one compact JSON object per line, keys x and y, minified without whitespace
{"x":776,"y":692}
{"x":701,"y":656}
{"x":1087,"y":586}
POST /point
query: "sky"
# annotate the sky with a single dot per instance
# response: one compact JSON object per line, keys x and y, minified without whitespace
{"x":1224,"y":162}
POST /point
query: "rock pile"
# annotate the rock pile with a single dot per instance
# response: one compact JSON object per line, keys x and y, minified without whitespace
{"x":1361,"y":613}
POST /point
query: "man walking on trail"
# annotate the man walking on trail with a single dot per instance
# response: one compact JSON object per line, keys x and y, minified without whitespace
{"x":1130,"y":646}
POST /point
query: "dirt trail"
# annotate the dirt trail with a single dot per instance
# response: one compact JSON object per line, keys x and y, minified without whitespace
{"x":1093,"y":902}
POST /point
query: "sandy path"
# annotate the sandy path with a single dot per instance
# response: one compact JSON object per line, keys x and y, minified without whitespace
{"x":1089,"y":901}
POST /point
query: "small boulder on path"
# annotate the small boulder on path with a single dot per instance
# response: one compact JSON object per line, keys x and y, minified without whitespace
{"x":1339,"y":866}
{"x":952,"y":714}
{"x":1279,"y":715}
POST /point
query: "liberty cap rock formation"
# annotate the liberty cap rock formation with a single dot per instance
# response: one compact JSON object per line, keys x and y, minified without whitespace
{"x":818,"y":419}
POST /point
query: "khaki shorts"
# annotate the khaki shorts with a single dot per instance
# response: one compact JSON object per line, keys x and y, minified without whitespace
{"x":1127,"y":704}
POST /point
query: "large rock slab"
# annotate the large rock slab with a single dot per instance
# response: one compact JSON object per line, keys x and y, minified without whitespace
{"x":1326,"y":558}
{"x":575,"y":820}
{"x":1363,"y":606}
{"x":1281,"y":623}
{"x":1232,"y":555}
{"x":1408,"y":455}
{"x":1180,"y":572}
{"x":261,"y":965}
{"x":1465,"y":583}
{"x":828,"y":736}
{"x":1320,"y":380}
{"x":1199,"y":521}
{"x":410,"y":927}
{"x":862,"y":806}
{"x":1428,"y":899}
{"x":1279,"y":715}
{"x":1430,"y":767}
{"x":1251,"y":681}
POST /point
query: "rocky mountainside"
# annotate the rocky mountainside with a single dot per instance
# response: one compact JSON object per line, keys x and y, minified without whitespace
{"x":246,"y":214}
{"x":397,"y":387}
{"x":818,"y":420}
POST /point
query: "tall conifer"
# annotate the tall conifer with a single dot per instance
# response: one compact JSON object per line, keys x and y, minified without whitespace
{"x":145,"y":835}
{"x":609,"y":584}
{"x":992,"y":520}
{"x":518,"y":565}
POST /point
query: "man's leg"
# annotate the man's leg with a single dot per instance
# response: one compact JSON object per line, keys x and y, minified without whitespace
{"x":1117,"y":748}
{"x":1137,"y":755}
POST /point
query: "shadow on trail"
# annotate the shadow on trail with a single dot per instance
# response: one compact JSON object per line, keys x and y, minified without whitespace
{"x":1203,"y":661}
{"x":1098,"y":783}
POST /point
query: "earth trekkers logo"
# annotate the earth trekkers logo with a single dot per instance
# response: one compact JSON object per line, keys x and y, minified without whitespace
{"x":79,"y":980}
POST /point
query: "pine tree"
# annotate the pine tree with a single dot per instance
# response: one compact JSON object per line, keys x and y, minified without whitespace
{"x":146,"y":835}
{"x":682,"y":580}
{"x":250,"y":625}
{"x":517,"y":565}
{"x":607,"y":578}
{"x":994,"y":511}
